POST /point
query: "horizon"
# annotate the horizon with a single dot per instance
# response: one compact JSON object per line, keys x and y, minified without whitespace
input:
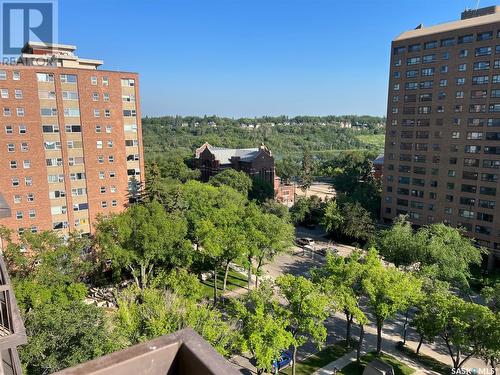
{"x":241,"y":60}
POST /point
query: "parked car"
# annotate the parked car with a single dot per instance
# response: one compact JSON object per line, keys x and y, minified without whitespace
{"x":284,"y":360}
{"x":302,"y":241}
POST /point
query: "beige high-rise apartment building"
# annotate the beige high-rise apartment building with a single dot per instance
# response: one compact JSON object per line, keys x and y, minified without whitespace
{"x":442,"y":148}
{"x":70,"y":139}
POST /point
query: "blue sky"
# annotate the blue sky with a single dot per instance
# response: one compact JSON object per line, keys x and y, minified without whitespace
{"x":251,"y":57}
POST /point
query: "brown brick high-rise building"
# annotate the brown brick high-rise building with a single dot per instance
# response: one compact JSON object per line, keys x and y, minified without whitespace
{"x":442,"y":149}
{"x":70,"y":139}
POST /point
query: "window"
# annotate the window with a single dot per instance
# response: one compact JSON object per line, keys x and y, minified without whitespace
{"x":472,"y":149}
{"x":443,"y":83}
{"x":455,"y":135}
{"x":481,"y":65}
{"x":445,"y":56}
{"x":430,"y":45}
{"x":429,"y":58}
{"x":93,"y":80}
{"x":133,"y":128}
{"x":78,"y":192}
{"x":484,"y":36}
{"x":494,"y":108}
{"x":131,"y":82}
{"x":476,"y":94}
{"x":98,"y":128}
{"x":22,"y":129}
{"x":99,"y":144}
{"x":13,"y":164}
{"x":110,"y":144}
{"x":459,"y":95}
{"x":469,"y":188}
{"x":71,"y":112}
{"x":45,"y":77}
{"x":10,"y":147}
{"x":475,"y":135}
{"x":105,"y":97}
{"x":462,"y":67}
{"x":495,"y":93}
{"x":102,"y":189}
{"x":447,"y":42}
{"x":50,"y":128}
{"x":485,"y":190}
{"x":444,"y":69}
{"x":52,"y":145}
{"x":16,"y":75}
{"x":95,"y":96}
{"x":26,"y":164}
{"x":104,"y":204}
{"x":493,"y":164}
{"x":493,"y":122}
{"x":73,"y":128}
{"x":483,"y":51}
{"x":17,"y":199}
{"x":32,"y":214}
{"x":46,"y":94}
{"x":24,"y":147}
{"x":114,"y":203}
{"x":105,"y":81}
{"x":397,"y":62}
{"x":469,"y":38}
{"x":131,"y":142}
{"x":70,"y":95}
{"x":460,"y":81}
{"x":466,"y":213}
{"x":68,"y":78}
{"x":54,"y":162}
{"x":20,"y":112}
{"x":413,"y":61}
{"x":129,"y":113}
{"x":28,"y":181}
{"x":97,"y":113}
{"x":427,"y":72}
{"x":426,"y":85}
{"x":6,"y":111}
{"x":48,"y":112}
{"x":463,"y":53}
{"x":59,"y":225}
{"x":112,"y":174}
{"x":100,"y":159}
{"x":4,"y":93}
{"x":77,"y":176}
{"x":18,"y":94}
{"x":111,"y":159}
{"x":107,"y":113}
{"x":19,"y":215}
{"x":479,"y":80}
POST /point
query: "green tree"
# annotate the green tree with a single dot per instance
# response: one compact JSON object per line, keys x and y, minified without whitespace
{"x":430,"y":315}
{"x":357,"y":222}
{"x":146,"y":314}
{"x":399,"y":244}
{"x":268,"y":236}
{"x":261,"y":190}
{"x":143,"y":237}
{"x":332,"y":219}
{"x":491,"y":294}
{"x":388,"y":290}
{"x":287,"y":169}
{"x":306,"y":175}
{"x":307,"y":309}
{"x":237,"y":180}
{"x":341,"y":280}
{"x":263,"y":326}
{"x":64,"y":335}
{"x":271,"y":206}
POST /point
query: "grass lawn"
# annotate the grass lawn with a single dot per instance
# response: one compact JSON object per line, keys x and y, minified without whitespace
{"x":426,"y":361}
{"x":375,"y":140}
{"x":318,"y":360}
{"x":234,"y":280}
{"x":399,"y":367}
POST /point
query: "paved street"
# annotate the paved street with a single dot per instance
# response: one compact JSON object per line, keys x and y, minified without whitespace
{"x":299,"y":263}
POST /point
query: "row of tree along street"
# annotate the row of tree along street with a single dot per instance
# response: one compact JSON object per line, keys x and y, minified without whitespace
{"x":180,"y":228}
